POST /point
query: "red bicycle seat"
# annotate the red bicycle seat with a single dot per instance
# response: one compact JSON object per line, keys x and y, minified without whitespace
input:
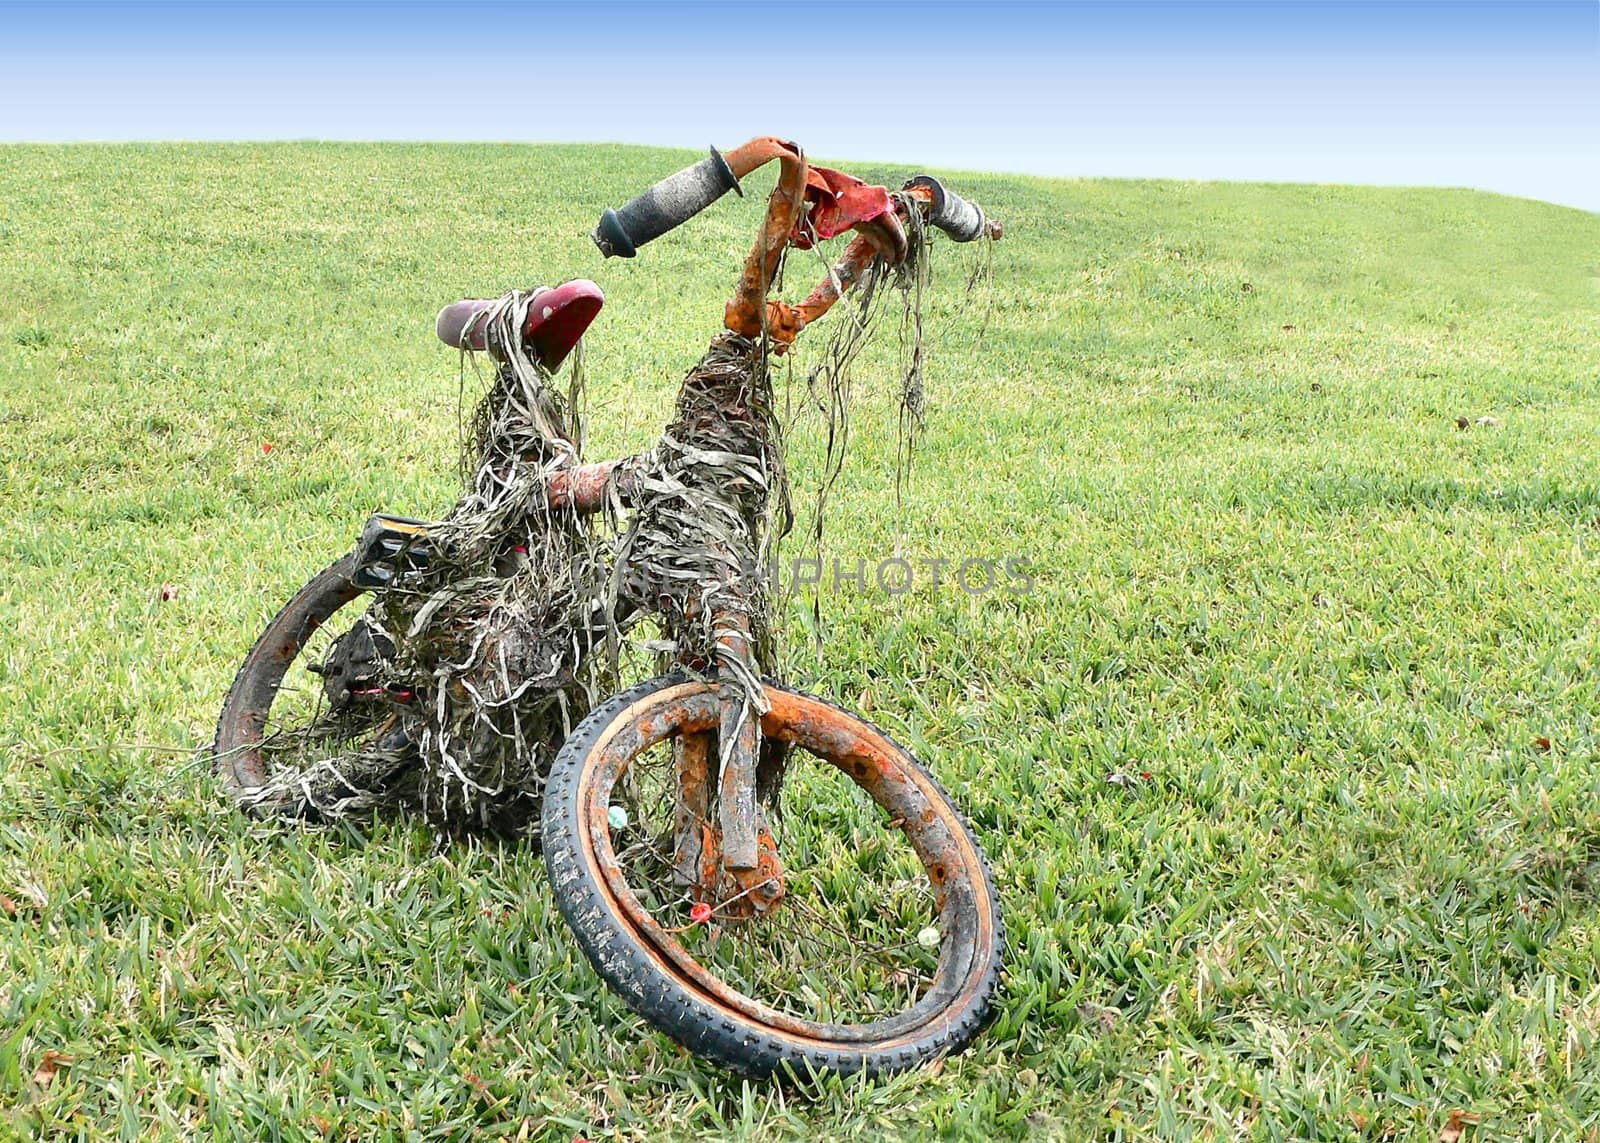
{"x":556,"y":320}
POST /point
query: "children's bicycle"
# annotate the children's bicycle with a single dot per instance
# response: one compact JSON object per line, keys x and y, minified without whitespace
{"x":768,"y":879}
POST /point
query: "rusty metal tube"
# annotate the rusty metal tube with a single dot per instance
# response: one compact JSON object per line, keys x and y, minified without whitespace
{"x":738,"y":742}
{"x":745,"y":310}
{"x":585,"y":488}
{"x":785,"y":322}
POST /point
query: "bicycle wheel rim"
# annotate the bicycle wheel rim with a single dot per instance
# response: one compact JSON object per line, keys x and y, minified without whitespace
{"x":911,"y":801}
{"x":261,"y":732}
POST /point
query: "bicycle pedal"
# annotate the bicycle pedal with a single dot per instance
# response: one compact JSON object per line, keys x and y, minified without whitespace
{"x":390,"y":548}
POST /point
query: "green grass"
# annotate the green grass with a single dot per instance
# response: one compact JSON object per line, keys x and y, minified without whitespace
{"x":1324,"y":632}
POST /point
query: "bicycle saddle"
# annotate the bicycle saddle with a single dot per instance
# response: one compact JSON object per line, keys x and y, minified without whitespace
{"x":556,"y":320}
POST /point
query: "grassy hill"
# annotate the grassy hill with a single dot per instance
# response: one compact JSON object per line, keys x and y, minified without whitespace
{"x":1340,"y":655}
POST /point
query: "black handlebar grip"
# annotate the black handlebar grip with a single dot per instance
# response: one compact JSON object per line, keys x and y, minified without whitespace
{"x":960,"y":219}
{"x":671,"y":202}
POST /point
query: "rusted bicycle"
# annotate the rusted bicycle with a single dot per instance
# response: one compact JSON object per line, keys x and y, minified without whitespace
{"x":465,"y":663}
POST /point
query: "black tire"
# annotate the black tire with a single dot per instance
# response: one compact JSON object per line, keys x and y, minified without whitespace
{"x":242,"y":752}
{"x":652,"y":963}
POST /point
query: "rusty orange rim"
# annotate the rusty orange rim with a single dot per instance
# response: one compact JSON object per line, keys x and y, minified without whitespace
{"x":868,"y":758}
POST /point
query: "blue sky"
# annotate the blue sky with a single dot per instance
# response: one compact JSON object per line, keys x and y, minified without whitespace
{"x":1503,"y":96}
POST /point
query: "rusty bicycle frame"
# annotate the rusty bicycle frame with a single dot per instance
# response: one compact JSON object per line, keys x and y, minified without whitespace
{"x":732,"y":861}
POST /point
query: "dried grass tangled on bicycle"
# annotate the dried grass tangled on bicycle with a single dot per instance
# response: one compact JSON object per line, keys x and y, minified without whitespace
{"x":511,"y":633}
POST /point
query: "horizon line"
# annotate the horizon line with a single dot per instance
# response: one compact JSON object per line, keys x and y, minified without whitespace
{"x":1285,"y":181}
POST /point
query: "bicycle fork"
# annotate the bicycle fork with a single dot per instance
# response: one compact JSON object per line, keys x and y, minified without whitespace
{"x":726,"y":858}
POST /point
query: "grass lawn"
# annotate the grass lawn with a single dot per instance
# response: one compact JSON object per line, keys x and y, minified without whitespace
{"x":1340,"y":655}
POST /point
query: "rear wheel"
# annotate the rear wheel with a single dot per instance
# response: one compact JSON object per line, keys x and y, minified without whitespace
{"x":884,"y":952}
{"x":304,"y":706}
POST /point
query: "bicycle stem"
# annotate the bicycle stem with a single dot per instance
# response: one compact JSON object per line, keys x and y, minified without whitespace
{"x":745,"y":312}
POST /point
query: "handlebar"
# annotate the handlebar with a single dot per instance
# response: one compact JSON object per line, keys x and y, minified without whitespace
{"x":807,"y":204}
{"x":671,"y":202}
{"x":677,"y":198}
{"x":962,"y":220}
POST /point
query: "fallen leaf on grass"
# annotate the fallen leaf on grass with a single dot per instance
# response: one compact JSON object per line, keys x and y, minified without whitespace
{"x":52,"y":1062}
{"x":1120,"y":778}
{"x":1458,"y":1122}
{"x":7,"y":906}
{"x":1542,"y":743}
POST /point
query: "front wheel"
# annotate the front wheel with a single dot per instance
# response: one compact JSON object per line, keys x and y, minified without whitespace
{"x":885,"y":951}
